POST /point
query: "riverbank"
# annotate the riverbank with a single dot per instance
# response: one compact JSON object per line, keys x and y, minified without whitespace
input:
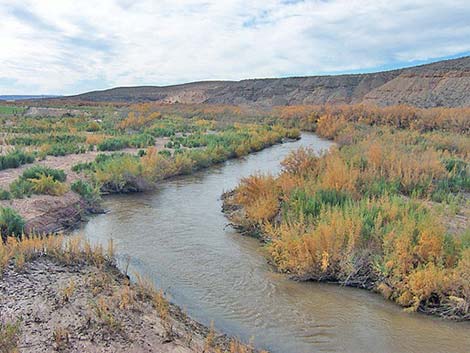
{"x":453,"y":308}
{"x":182,"y":244}
{"x":366,"y":215}
{"x":69,"y":301}
{"x":63,"y":294}
{"x":130,"y":170}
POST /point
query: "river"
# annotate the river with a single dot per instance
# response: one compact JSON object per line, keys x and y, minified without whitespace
{"x":177,"y":236}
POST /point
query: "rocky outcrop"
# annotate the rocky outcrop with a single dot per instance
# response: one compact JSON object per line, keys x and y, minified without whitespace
{"x":443,"y":83}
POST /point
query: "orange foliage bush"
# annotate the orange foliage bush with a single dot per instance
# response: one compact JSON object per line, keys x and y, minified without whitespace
{"x":136,"y":122}
{"x":259,"y":197}
{"x":95,"y":139}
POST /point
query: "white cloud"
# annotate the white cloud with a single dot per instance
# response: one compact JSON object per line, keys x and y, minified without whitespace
{"x":53,"y":46}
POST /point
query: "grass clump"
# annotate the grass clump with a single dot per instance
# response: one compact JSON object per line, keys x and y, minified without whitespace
{"x":21,"y":188}
{"x":85,"y":189}
{"x":9,"y":337}
{"x":15,"y":158}
{"x":11,"y":223}
{"x":37,"y":171}
{"x":5,"y":194}
{"x":47,"y":185}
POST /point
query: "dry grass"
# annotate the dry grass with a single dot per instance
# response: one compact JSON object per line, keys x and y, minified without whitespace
{"x":67,"y":250}
{"x":67,"y":291}
{"x":61,"y":338}
{"x":9,"y":337}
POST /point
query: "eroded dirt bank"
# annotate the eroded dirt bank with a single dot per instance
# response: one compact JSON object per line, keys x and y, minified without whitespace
{"x":52,"y":306}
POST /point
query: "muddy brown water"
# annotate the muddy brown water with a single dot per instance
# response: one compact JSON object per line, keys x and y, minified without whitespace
{"x":178,"y":236}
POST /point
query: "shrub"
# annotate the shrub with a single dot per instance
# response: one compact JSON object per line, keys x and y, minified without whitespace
{"x":141,"y":140}
{"x":15,"y":158}
{"x":5,"y":195}
{"x":21,"y":188}
{"x":61,"y":149}
{"x":301,"y":204}
{"x":47,"y":185}
{"x":360,"y":214}
{"x":11,"y":223}
{"x":37,"y":171}
{"x":120,"y":173}
{"x":165,"y":153}
{"x":112,"y":144}
{"x":93,"y":126}
{"x":80,"y":167}
{"x":86,"y":190}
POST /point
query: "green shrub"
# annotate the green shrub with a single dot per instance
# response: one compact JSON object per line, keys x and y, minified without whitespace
{"x":11,"y":223}
{"x":5,"y":195}
{"x":37,"y":171}
{"x":112,"y":144}
{"x":161,"y":131}
{"x":165,"y":153}
{"x":21,"y":188}
{"x":380,"y":187}
{"x":15,"y":158}
{"x":61,"y":149}
{"x":301,"y":203}
{"x":141,"y":140}
{"x":87,"y":191}
{"x":9,"y":336}
{"x":93,"y":126}
{"x":80,"y":167}
{"x":174,"y":144}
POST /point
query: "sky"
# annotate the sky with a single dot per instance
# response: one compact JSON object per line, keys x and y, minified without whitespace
{"x":69,"y":47}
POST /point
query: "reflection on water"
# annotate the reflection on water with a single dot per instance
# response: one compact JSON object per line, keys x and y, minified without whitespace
{"x":177,"y":236}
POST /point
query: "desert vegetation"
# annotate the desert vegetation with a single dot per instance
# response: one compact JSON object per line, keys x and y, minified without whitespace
{"x":183,"y":155}
{"x":376,"y":211}
{"x":90,"y":150}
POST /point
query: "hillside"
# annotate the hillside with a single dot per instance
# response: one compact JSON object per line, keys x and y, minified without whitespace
{"x":443,"y":83}
{"x":23,"y":97}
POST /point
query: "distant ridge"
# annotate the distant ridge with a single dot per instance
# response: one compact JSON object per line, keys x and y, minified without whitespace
{"x":24,"y":97}
{"x":443,"y":83}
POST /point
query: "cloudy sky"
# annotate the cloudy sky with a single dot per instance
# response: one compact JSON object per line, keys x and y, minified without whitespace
{"x":66,"y":47}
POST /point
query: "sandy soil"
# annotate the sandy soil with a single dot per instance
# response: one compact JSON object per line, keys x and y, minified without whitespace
{"x":81,"y":308}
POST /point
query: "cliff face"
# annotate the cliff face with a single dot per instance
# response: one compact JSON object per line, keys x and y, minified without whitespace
{"x":444,"y":83}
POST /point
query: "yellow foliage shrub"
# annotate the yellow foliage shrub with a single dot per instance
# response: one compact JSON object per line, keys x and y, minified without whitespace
{"x":338,"y":175}
{"x":95,"y":139}
{"x":260,"y":198}
{"x":46,"y":184}
{"x":427,"y":282}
